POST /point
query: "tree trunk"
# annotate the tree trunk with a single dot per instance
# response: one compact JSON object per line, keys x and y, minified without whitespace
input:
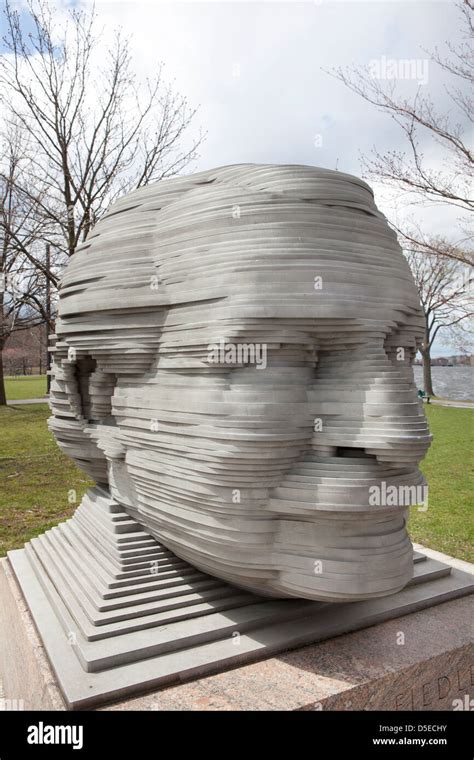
{"x":48,"y":364}
{"x":3,"y":396}
{"x":427,"y":379}
{"x":48,"y":319}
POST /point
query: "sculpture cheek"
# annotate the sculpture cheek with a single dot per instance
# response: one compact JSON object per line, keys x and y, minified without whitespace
{"x":342,"y":508}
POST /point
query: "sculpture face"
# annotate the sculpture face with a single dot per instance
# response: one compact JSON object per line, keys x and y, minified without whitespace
{"x":233,"y":362}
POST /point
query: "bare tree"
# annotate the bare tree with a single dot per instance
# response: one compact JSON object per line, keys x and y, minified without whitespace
{"x":24,"y":279}
{"x":93,"y":129}
{"x":78,"y":131}
{"x":444,"y":288}
{"x":424,"y":125}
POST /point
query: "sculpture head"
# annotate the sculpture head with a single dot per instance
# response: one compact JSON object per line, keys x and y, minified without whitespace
{"x":233,"y":363}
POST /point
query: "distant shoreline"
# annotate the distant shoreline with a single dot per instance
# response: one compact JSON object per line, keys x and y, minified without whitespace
{"x":450,"y":383}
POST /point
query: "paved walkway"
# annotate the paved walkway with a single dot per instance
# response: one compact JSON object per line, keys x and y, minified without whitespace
{"x":454,"y":404}
{"x":460,"y":564}
{"x":438,"y":402}
{"x":43,"y":400}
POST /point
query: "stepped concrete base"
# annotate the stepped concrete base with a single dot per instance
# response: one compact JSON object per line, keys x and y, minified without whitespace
{"x":365,"y":670}
{"x":422,"y":660}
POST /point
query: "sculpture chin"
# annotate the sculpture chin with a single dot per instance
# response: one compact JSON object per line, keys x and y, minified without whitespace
{"x":338,"y":556}
{"x":261,"y":474}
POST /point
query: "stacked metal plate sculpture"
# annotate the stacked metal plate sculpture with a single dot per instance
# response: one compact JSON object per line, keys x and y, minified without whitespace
{"x":233,"y":363}
{"x":232,"y":366}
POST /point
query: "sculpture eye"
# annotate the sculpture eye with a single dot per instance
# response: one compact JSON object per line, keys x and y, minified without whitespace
{"x":83,"y":373}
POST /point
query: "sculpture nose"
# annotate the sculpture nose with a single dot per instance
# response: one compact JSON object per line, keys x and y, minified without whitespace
{"x":369,"y":435}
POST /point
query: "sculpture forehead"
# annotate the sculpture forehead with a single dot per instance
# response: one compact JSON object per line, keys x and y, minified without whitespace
{"x":250,"y":242}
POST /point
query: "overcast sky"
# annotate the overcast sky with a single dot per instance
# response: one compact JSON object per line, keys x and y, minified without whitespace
{"x":255,"y":69}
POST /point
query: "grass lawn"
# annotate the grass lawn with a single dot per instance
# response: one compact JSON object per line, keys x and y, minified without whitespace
{"x":448,"y":523}
{"x":25,"y":386}
{"x":37,"y":478}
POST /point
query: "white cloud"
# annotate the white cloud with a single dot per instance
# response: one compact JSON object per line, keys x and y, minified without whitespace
{"x":256,"y":70}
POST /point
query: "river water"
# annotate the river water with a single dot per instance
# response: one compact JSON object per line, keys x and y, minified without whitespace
{"x":450,"y":382}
